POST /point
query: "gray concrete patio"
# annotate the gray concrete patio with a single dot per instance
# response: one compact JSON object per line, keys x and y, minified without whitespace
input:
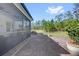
{"x":37,"y":45}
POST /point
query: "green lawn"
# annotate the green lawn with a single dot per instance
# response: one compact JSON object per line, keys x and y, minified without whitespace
{"x":54,"y":34}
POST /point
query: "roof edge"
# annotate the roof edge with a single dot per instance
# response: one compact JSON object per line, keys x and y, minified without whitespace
{"x":26,"y":9}
{"x":23,"y":9}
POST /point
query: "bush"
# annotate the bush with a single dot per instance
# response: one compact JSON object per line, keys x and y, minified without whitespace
{"x":73,"y":33}
{"x":33,"y":32}
{"x":70,"y":23}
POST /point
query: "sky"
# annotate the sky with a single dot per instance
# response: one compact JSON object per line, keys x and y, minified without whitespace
{"x":47,"y":11}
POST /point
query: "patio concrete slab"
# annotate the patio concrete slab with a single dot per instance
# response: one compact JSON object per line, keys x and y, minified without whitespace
{"x":37,"y":45}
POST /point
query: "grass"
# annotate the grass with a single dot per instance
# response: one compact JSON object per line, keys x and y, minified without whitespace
{"x":54,"y":34}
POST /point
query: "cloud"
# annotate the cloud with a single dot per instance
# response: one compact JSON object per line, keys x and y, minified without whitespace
{"x":55,"y":10}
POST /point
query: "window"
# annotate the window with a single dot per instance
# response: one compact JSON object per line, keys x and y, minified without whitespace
{"x":18,"y":26}
{"x":8,"y":26}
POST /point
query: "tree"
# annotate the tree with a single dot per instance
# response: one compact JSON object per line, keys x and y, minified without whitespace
{"x":76,"y":11}
{"x":48,"y":25}
{"x":43,"y":24}
{"x":59,"y":23}
{"x":59,"y":17}
{"x":68,"y":15}
{"x":52,"y":20}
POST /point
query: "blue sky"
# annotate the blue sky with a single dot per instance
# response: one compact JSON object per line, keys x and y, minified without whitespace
{"x":40,"y":11}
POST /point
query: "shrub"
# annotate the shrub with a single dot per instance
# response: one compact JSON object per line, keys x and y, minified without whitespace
{"x":73,"y":33}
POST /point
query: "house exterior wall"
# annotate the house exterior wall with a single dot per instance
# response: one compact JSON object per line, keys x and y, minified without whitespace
{"x":14,"y":27}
